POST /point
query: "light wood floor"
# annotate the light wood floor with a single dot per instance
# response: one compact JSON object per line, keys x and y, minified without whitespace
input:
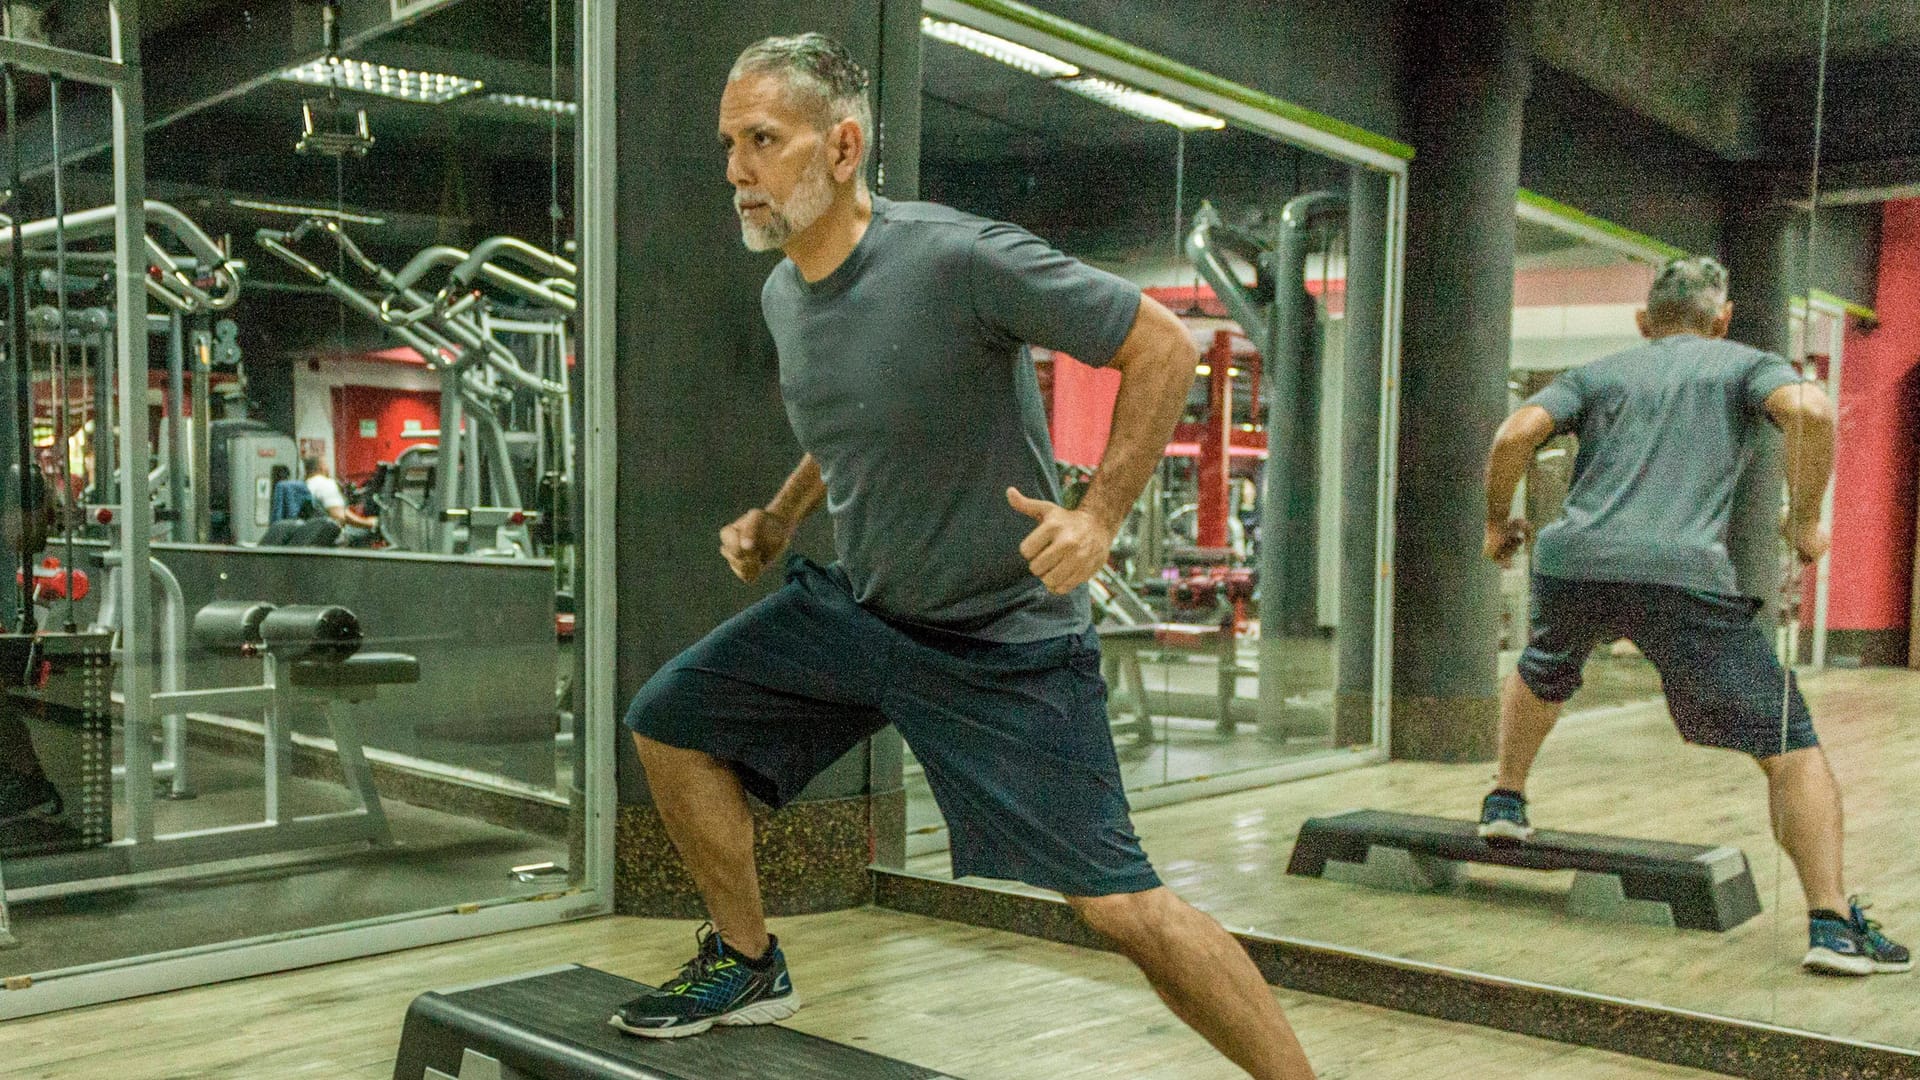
{"x":1620,"y":771}
{"x":979,"y":1004}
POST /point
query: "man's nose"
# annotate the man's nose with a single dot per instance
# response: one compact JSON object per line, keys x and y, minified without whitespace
{"x":737,"y":172}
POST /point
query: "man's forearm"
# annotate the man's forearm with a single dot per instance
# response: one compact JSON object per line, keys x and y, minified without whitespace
{"x":1809,"y":463}
{"x":1505,"y":466}
{"x":802,"y":494}
{"x":1153,"y":394}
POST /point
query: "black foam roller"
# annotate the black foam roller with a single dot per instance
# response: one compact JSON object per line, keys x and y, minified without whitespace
{"x":230,"y":624}
{"x":311,"y":632}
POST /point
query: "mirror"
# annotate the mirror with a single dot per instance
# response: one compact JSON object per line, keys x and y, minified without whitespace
{"x":1214,"y":685}
{"x":1810,"y":246}
{"x":351,"y":693}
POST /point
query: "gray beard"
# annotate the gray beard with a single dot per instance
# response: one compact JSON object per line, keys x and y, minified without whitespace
{"x":809,"y":201}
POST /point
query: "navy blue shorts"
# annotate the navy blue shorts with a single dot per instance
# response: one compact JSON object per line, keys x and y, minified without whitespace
{"x":1724,"y":685}
{"x":1013,"y":737}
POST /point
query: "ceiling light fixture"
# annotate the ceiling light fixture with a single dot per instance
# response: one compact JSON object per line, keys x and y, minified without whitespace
{"x":1010,"y":53}
{"x":426,"y":87}
{"x":523,"y":101}
{"x":1139,"y":103}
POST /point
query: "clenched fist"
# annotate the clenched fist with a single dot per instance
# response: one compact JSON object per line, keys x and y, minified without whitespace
{"x":1067,"y":548}
{"x":755,"y":539}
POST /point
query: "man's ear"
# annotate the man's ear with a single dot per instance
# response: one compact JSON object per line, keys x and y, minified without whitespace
{"x":849,"y":146}
{"x":1723,"y":320}
{"x":1640,"y":320}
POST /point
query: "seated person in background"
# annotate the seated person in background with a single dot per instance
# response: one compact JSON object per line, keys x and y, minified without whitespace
{"x":327,"y":495}
{"x":1641,"y":553}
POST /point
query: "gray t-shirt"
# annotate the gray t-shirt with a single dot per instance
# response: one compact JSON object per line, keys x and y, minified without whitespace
{"x":905,"y":374}
{"x":1665,"y":429}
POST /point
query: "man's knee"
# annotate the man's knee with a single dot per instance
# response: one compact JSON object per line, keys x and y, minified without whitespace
{"x":1126,"y":918}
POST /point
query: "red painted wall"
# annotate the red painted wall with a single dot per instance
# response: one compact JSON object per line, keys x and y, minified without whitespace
{"x":354,"y":456}
{"x":1873,"y":498}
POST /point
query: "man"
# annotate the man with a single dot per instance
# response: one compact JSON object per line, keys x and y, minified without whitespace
{"x":1641,"y":552}
{"x":957,"y":610}
{"x":26,"y":518}
{"x":328,"y":497}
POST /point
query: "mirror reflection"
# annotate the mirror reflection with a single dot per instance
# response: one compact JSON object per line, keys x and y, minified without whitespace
{"x":346,"y":470}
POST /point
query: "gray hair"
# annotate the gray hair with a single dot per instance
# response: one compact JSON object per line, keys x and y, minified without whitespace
{"x":825,"y":77}
{"x":1687,"y":292}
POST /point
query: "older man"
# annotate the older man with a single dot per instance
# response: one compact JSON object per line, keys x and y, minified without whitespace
{"x":957,"y":610}
{"x":1641,"y":553}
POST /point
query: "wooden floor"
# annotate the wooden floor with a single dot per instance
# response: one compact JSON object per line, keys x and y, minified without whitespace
{"x":976,"y":1003}
{"x":1621,"y":771}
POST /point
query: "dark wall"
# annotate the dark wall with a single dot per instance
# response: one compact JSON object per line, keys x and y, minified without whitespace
{"x":1337,"y":58}
{"x":701,"y":433}
{"x":1581,"y":148}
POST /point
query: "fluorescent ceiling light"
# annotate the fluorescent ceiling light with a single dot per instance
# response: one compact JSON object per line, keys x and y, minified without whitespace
{"x":1142,"y":104}
{"x":1010,"y":53}
{"x":307,"y":211}
{"x":522,"y":101}
{"x":427,"y":87}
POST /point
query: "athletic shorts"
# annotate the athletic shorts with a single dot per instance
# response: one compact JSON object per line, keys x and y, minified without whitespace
{"x":1724,"y":686}
{"x":1013,"y":737}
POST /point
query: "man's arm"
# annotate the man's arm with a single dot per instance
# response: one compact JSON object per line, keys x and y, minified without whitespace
{"x":1513,"y":448}
{"x":1156,"y":363}
{"x":1805,"y":415}
{"x":758,"y":536}
{"x":802,"y":494}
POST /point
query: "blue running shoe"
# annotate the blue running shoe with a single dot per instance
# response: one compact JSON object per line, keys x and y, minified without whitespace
{"x":1853,"y":947}
{"x":1503,"y":818}
{"x":718,"y":986}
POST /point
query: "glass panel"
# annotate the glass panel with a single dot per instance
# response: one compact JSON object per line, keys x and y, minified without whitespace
{"x":359,"y":599}
{"x":1222,"y":618}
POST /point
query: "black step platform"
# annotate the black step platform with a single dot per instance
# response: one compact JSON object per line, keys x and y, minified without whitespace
{"x":1700,"y":888}
{"x":552,"y":1025}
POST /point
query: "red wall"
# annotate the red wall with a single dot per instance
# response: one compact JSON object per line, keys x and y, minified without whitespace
{"x":1873,"y":498}
{"x":354,"y":456}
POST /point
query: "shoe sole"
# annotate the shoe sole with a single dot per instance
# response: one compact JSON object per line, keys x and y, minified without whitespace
{"x":761,"y":1012}
{"x":1828,"y":962}
{"x":1505,"y":831}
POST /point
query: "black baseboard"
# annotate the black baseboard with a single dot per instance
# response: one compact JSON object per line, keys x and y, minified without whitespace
{"x":1872,"y":648}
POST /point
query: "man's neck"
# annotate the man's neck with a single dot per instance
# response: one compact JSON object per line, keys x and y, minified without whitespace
{"x":827,"y":243}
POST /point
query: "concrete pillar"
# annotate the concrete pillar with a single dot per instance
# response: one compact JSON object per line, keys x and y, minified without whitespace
{"x":700,"y":432}
{"x":1758,"y":244}
{"x":1467,"y":72}
{"x":1360,"y":454}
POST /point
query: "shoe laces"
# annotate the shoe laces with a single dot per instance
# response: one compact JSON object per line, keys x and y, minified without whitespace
{"x":1870,"y":928}
{"x":712,"y":949}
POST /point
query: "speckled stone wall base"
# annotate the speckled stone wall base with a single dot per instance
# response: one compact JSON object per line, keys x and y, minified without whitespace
{"x":1444,"y":729}
{"x":1730,"y":1047}
{"x":1352,"y":719}
{"x":813,"y":856}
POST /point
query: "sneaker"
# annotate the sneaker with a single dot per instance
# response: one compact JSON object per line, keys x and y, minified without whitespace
{"x":717,"y":986}
{"x":23,"y":797}
{"x":1503,"y":818}
{"x":1853,"y":947}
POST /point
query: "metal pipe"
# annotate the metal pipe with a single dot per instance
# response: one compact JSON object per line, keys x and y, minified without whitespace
{"x":176,"y":416}
{"x":60,"y":343}
{"x":17,"y":350}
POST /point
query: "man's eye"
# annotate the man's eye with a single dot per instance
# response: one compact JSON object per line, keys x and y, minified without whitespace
{"x":762,"y":139}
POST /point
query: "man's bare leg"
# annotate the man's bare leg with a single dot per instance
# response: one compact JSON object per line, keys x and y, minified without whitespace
{"x":708,"y":819}
{"x":1804,"y":801}
{"x":1203,"y":975}
{"x":1525,"y":722}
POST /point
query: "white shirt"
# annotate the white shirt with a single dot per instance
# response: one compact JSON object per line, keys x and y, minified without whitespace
{"x":326,"y":492}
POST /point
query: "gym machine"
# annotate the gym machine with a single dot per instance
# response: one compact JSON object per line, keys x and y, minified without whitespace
{"x":505,"y":404}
